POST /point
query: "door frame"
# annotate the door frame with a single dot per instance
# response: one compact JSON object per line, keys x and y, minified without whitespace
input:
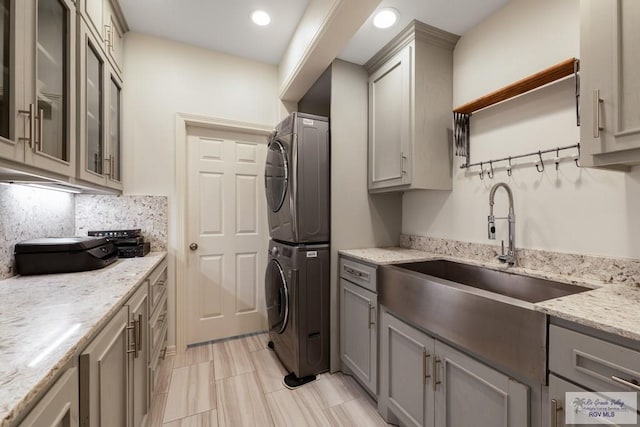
{"x":183,"y":120}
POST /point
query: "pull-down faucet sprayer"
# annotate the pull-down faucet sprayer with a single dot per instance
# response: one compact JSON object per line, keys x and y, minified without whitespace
{"x":510,"y":256}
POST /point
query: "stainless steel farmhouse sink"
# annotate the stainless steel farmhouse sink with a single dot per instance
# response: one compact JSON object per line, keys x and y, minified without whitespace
{"x":488,"y":312}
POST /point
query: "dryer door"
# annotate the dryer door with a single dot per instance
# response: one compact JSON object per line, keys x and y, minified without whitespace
{"x":276,"y":174}
{"x":277,"y":296}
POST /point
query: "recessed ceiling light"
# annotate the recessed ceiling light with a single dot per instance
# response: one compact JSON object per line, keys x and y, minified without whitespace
{"x":385,"y":18}
{"x":260,"y":17}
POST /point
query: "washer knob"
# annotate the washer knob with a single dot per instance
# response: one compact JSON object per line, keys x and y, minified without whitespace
{"x":274,"y":251}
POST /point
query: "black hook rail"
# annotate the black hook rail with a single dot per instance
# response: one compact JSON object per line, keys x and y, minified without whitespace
{"x":539,"y":163}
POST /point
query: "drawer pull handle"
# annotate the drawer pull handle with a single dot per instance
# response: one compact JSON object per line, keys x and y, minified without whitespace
{"x":425,"y":370}
{"x":436,"y":381}
{"x":358,"y":273}
{"x":555,"y":408}
{"x":629,"y":383}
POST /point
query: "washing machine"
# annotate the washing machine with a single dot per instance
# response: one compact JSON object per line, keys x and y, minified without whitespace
{"x":297,"y":180}
{"x":297,"y":295}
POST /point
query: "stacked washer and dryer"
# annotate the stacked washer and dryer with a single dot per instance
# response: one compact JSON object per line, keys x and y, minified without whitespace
{"x":297,"y":182}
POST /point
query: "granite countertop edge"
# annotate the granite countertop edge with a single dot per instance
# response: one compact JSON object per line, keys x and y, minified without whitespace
{"x":16,"y":411}
{"x":592,"y":308}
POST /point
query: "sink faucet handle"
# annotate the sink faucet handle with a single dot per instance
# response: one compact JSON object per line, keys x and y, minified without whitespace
{"x":491,"y":227}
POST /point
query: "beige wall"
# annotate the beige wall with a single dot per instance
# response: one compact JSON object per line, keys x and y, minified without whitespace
{"x":358,"y":219}
{"x":164,"y":78}
{"x":572,"y":210}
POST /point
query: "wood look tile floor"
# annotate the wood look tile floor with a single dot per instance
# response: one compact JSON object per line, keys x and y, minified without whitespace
{"x":238,"y":383}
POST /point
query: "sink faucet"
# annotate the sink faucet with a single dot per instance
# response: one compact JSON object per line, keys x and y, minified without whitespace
{"x":510,"y":256}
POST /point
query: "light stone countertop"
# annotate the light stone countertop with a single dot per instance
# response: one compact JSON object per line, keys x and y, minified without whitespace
{"x":46,"y":320}
{"x":608,"y":307}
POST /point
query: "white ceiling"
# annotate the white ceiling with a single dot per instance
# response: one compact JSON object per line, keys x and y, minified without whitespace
{"x":220,"y":25}
{"x":225,"y":26}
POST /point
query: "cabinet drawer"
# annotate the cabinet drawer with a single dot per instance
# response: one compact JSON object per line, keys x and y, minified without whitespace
{"x":156,"y":362}
{"x":157,"y":285}
{"x":360,"y":274}
{"x":594,"y":363}
{"x":157,"y":324}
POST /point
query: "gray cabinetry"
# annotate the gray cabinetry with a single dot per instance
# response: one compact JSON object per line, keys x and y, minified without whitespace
{"x":424,"y":382}
{"x":59,"y":407}
{"x":158,"y":324}
{"x":113,"y":369}
{"x":407,"y":362}
{"x":100,"y":114}
{"x":44,"y":91}
{"x":610,"y":82}
{"x":410,"y":98}
{"x":359,"y":322}
{"x":557,"y":403}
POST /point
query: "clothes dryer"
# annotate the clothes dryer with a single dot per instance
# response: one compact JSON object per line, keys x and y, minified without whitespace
{"x":297,"y":180}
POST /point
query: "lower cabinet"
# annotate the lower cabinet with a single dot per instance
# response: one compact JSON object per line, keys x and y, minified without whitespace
{"x":113,"y":369}
{"x":557,"y":405}
{"x":359,"y":333}
{"x":59,"y":407}
{"x":425,"y":382}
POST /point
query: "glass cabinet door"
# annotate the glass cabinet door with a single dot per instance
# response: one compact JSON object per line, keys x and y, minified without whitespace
{"x":94,"y":99}
{"x":5,"y":62}
{"x":114,"y":130}
{"x":52,"y":72}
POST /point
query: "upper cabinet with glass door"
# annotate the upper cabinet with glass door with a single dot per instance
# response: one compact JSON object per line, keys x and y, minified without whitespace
{"x":45,"y":84}
{"x":106,"y":22}
{"x":100,"y":115}
{"x":11,"y":146}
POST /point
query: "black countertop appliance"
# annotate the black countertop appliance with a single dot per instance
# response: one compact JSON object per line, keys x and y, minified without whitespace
{"x":63,"y":255}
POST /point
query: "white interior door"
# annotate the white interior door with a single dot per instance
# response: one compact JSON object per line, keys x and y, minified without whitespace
{"x":227,"y":234}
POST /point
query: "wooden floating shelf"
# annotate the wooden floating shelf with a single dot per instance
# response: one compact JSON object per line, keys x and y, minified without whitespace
{"x":534,"y":81}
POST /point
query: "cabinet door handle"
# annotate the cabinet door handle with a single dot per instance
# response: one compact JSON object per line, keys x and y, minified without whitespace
{"x":555,"y":408}
{"x":627,"y":383}
{"x":139,"y":334}
{"x":372,"y":315}
{"x":436,"y":363}
{"x":402,"y":158}
{"x":37,"y":144}
{"x":31,"y":114}
{"x":131,"y":327}
{"x":597,"y":126}
{"x":109,"y":169}
{"x":425,"y":362}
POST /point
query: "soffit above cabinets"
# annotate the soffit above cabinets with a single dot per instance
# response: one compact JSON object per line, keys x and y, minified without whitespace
{"x":454,"y":16}
{"x":225,"y":26}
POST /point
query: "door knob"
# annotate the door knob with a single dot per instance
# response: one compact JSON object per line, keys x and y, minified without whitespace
{"x":193,"y":246}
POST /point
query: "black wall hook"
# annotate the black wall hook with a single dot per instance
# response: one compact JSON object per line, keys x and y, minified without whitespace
{"x":490,"y":172}
{"x":509,"y":167}
{"x":481,"y":173}
{"x":540,"y":163}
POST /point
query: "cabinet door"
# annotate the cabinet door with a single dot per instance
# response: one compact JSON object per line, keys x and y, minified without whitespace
{"x":59,"y":407}
{"x":13,"y":120}
{"x":91,"y":106}
{"x":104,"y":380}
{"x":49,"y":85}
{"x":359,"y":332}
{"x":113,"y":158}
{"x":390,"y":92}
{"x":469,"y":393}
{"x":609,"y":65}
{"x":139,"y":359}
{"x":406,"y":387}
{"x":557,"y":405}
{"x":93,"y":12}
{"x":114,"y":43}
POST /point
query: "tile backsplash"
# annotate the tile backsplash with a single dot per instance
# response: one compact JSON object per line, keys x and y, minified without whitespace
{"x":29,"y":213}
{"x":149,"y":213}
